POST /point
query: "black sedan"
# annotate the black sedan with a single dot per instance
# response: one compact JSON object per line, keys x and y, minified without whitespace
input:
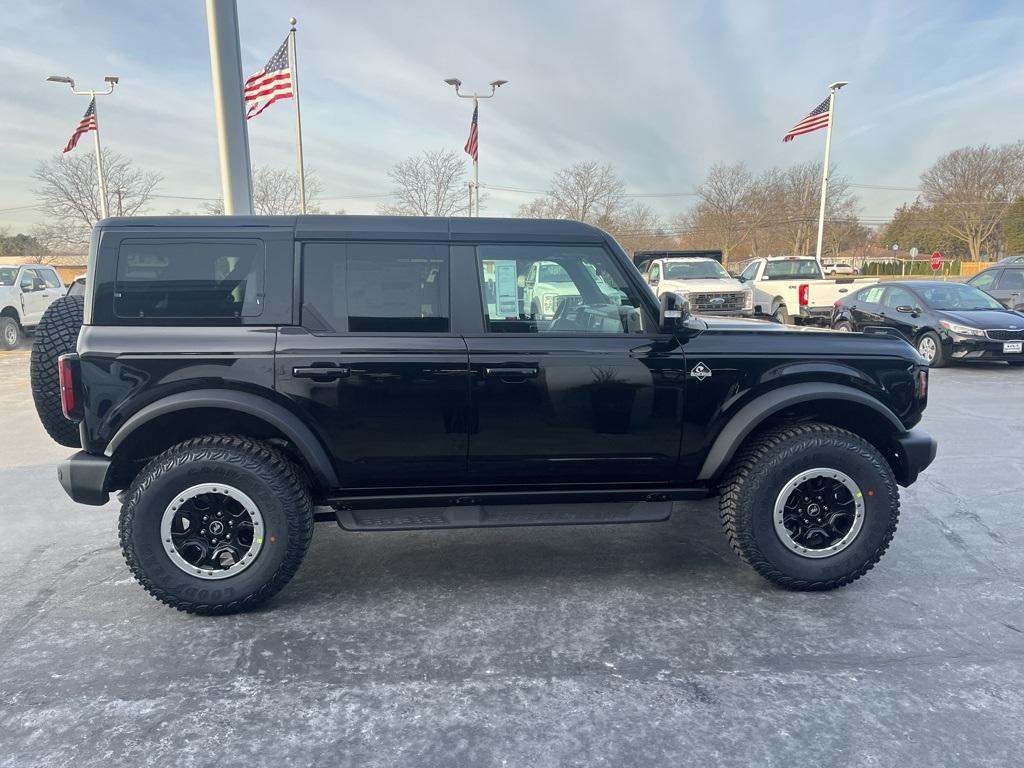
{"x":945,"y":321}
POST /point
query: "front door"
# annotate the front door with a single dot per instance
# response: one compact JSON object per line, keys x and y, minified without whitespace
{"x":375,"y":367}
{"x":591,"y":394}
{"x":1010,"y":287}
{"x":35,"y":297}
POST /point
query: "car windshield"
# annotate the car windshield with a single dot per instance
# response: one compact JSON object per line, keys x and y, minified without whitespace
{"x":702,"y":269}
{"x":780,"y":270}
{"x":553,"y":273}
{"x":955,"y":296}
{"x":8,"y":275}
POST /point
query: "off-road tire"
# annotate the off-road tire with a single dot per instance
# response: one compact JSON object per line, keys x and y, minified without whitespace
{"x":763,"y":467}
{"x":253,"y":467}
{"x":56,"y":335}
{"x":10,"y":333}
{"x":939,"y":361}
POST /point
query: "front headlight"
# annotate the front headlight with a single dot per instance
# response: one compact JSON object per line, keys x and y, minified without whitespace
{"x":748,"y":303}
{"x":961,"y":330}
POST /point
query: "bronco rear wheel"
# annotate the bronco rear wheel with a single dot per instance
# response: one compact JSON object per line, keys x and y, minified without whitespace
{"x":810,"y":506}
{"x":56,"y":335}
{"x":216,"y":525}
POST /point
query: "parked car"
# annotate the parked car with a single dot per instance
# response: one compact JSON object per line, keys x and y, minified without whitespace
{"x":1018,"y":259}
{"x":1004,"y":283}
{"x":945,"y":321}
{"x":840,"y":269}
{"x":77,"y":286}
{"x":792,"y":289}
{"x":703,"y":282}
{"x":239,"y":377}
{"x":26,"y":290}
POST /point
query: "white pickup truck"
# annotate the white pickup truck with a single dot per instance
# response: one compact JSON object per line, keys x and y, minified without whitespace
{"x":792,"y":289}
{"x":26,"y":291}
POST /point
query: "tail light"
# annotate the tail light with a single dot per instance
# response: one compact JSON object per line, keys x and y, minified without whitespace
{"x":804,"y":295}
{"x":922,"y":384}
{"x":67,"y":370}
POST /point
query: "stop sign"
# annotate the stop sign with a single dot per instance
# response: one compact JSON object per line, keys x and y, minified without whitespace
{"x":936,"y":260}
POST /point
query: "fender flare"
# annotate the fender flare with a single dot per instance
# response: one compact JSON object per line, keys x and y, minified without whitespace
{"x":277,"y":416}
{"x":752,"y":415}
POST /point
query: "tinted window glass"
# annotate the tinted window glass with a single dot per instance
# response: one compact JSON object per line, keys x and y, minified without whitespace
{"x":956,"y":296}
{"x":1011,"y":279}
{"x":872,"y":295}
{"x":590,"y":295}
{"x":899,"y":297}
{"x":985,"y":280}
{"x":49,"y":278}
{"x":749,"y":272}
{"x":8,"y":275}
{"x":375,"y":287}
{"x":189,"y":279}
{"x":780,"y":270}
{"x":698,"y":269}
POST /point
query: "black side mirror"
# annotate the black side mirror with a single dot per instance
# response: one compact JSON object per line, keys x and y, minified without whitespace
{"x":741,"y":278}
{"x":675,"y":310}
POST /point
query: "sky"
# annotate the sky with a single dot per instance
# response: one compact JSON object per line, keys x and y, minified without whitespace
{"x":660,"y":89}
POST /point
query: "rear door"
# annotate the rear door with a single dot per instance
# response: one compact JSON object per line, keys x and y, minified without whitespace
{"x":375,"y":366}
{"x":865,"y":307}
{"x":1009,"y":288}
{"x":34,"y":295}
{"x":895,"y":297}
{"x":593,"y":395}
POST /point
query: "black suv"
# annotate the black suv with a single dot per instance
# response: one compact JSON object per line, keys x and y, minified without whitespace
{"x":240,"y":377}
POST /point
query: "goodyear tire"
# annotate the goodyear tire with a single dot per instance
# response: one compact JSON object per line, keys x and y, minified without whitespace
{"x":810,"y":506}
{"x":216,"y":524}
{"x":57,"y":334}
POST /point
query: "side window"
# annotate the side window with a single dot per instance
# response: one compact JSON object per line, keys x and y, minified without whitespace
{"x":656,"y":273}
{"x":750,"y":272}
{"x":189,"y":279}
{"x":872,"y":295}
{"x":985,"y":280}
{"x":1010,"y":280}
{"x":578,"y":289}
{"x":30,"y":281}
{"x":50,"y":278}
{"x":375,"y":288}
{"x":899,"y":297}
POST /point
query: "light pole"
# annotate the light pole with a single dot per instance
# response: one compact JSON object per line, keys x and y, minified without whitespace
{"x":111,"y":82}
{"x":495,"y":85}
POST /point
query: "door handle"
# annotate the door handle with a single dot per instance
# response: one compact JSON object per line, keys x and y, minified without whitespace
{"x":320,"y":372}
{"x":510,"y":373}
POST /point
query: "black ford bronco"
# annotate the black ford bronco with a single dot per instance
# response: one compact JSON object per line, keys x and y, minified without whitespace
{"x":238,"y":378}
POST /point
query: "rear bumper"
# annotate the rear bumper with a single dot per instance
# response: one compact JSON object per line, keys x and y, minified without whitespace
{"x":84,"y":478}
{"x":916,"y":449}
{"x":814,"y":316}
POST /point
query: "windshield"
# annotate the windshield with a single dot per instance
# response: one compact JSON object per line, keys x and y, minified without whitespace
{"x":553,"y":273}
{"x":694,"y":270}
{"x":780,"y":270}
{"x":955,"y":296}
{"x":7,"y":275}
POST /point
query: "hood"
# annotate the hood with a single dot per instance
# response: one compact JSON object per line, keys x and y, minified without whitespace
{"x":984,"y":319}
{"x":703,"y":286}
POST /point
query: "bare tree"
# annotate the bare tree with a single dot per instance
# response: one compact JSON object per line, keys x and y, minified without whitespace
{"x":429,"y":184}
{"x":971,"y":189}
{"x":587,"y":191}
{"x":638,"y":228}
{"x":69,"y":195}
{"x":275,"y":191}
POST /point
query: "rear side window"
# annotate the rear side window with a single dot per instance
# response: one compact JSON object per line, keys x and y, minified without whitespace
{"x":189,"y":279}
{"x":375,"y":288}
{"x":1011,"y":280}
{"x":783,"y":270}
{"x":872,"y":295}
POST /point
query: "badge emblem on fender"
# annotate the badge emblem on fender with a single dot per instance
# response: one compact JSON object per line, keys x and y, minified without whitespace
{"x":700,"y":372}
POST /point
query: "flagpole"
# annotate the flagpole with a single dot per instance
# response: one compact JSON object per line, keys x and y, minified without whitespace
{"x":294,"y":62}
{"x":99,"y":158}
{"x":824,"y":173}
{"x":476,"y":157}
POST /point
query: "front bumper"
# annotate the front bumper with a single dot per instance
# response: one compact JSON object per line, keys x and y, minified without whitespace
{"x":915,"y":450}
{"x":977,"y":348}
{"x":84,"y":478}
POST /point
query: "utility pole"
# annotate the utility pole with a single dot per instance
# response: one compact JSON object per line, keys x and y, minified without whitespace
{"x":111,"y":81}
{"x":495,"y":85}
{"x":229,"y":106}
{"x":828,"y":149}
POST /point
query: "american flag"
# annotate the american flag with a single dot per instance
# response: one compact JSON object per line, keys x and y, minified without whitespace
{"x":86,"y":124}
{"x":472,"y":143}
{"x":270,"y":84}
{"x":818,"y":118}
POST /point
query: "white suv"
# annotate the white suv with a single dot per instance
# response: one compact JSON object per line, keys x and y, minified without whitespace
{"x":26,"y":291}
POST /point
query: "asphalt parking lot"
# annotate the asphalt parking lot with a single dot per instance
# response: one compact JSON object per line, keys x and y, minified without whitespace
{"x":601,"y":646}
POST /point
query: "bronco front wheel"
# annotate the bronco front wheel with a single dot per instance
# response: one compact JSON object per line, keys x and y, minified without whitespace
{"x":810,"y":506}
{"x":216,"y":524}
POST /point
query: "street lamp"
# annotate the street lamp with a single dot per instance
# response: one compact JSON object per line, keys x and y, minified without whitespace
{"x":111,"y":81}
{"x":495,"y":85}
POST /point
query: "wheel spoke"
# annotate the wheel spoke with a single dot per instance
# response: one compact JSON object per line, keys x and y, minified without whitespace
{"x":819,"y":513}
